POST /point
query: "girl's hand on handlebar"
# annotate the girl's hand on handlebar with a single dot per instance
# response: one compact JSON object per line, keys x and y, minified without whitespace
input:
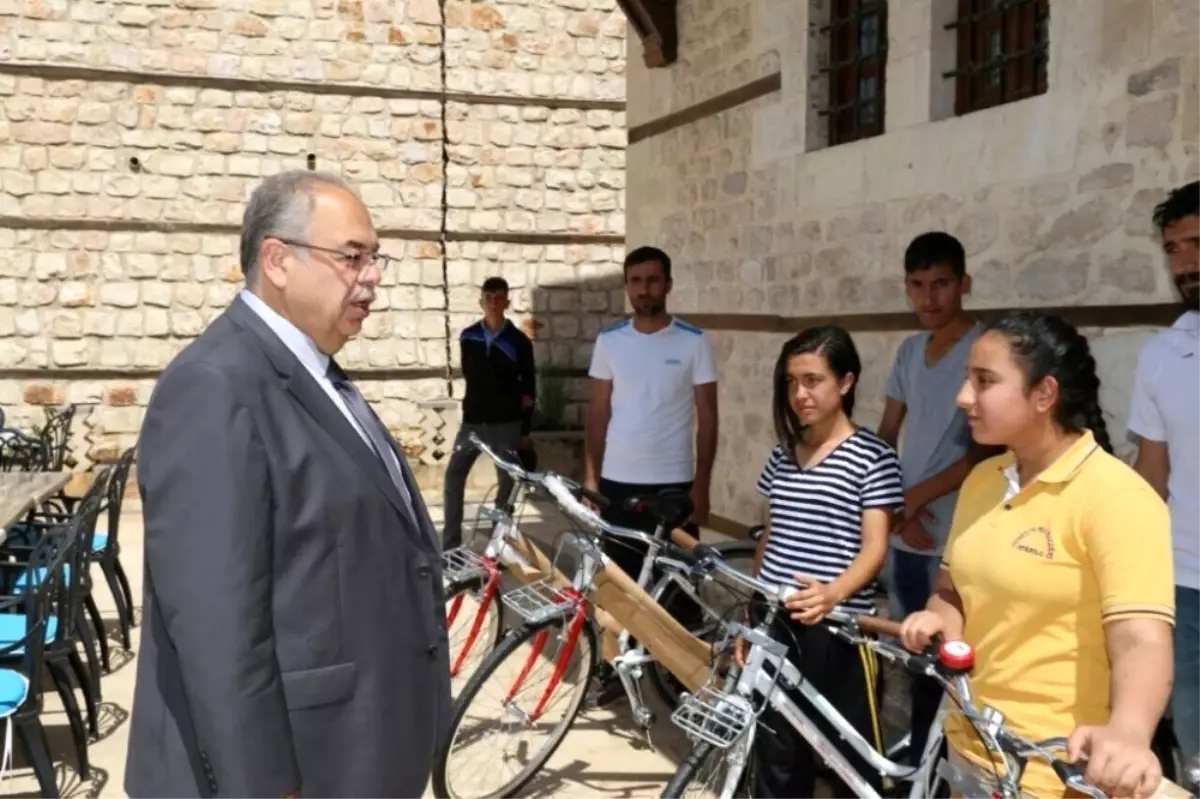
{"x":1118,"y":763}
{"x":917,"y":631}
{"x":814,"y":601}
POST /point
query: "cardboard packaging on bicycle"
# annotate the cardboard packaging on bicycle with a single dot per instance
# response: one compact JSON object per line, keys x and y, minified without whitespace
{"x":622,"y":605}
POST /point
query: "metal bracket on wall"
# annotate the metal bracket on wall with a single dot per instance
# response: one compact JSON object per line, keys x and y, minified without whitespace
{"x":654,"y":23}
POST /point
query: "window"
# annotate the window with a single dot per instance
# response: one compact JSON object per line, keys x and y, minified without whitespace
{"x":857,"y":65}
{"x":1002,"y":52}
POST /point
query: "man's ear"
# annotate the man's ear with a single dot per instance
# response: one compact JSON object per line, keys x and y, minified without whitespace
{"x":273,"y":262}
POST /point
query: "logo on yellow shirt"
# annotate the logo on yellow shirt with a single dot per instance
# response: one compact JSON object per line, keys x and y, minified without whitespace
{"x":1037,"y":541}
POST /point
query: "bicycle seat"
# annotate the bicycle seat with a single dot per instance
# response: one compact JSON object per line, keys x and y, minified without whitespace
{"x":670,"y":508}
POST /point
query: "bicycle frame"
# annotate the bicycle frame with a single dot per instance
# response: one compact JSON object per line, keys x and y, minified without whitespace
{"x":572,"y":602}
{"x":754,"y":679}
{"x":730,"y":720}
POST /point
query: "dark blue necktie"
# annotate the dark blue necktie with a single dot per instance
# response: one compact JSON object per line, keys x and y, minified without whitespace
{"x":370,"y":425}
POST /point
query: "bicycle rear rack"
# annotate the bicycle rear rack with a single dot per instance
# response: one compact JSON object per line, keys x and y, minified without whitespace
{"x":460,"y":565}
{"x":540,"y":601}
{"x":714,"y":716}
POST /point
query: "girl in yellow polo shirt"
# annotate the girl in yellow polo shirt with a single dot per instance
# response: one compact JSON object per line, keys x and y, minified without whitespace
{"x":1058,"y":567}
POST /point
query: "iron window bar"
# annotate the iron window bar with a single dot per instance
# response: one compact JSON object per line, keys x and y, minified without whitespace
{"x":1032,"y":49}
{"x":852,"y":116}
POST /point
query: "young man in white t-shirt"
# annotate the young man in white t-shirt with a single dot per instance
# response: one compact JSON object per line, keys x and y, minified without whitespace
{"x":1163,"y":416}
{"x":654,"y":381}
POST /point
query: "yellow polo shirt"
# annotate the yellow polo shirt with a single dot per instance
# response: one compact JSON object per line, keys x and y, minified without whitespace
{"x":1040,"y":571}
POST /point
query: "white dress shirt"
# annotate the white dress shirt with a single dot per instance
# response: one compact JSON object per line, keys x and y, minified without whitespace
{"x":315,"y":362}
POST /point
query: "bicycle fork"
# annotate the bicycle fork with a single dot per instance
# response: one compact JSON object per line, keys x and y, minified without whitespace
{"x":560,"y":667}
{"x":490,"y":591}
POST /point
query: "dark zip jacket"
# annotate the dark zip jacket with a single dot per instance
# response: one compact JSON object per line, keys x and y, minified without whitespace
{"x":499,"y":373}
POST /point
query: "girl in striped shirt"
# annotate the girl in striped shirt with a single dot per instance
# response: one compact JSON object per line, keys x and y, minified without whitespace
{"x":831,"y":487}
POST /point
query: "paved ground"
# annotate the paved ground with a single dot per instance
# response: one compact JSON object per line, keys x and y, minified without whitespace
{"x":602,"y":756}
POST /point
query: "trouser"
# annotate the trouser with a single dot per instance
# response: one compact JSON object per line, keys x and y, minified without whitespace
{"x":1185,"y":696}
{"x":503,"y":439}
{"x":911,"y":584}
{"x":784,"y":764}
{"x":630,"y":555}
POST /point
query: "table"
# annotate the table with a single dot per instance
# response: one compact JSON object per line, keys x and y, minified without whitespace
{"x":20,"y":492}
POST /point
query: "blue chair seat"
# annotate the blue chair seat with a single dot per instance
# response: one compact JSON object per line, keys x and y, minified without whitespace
{"x":12,"y":629}
{"x":14,"y":688}
{"x":20,"y":582}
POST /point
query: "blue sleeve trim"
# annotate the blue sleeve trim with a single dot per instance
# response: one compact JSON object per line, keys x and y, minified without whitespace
{"x":689,"y":327}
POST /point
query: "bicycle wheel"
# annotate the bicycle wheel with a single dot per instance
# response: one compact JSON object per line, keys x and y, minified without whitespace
{"x":475,"y":622}
{"x":703,"y":773}
{"x":739,"y":554}
{"x":497,"y":708}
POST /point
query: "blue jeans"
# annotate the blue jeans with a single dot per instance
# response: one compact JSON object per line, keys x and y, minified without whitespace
{"x":910,"y":585}
{"x":910,"y":581}
{"x":1185,"y":698}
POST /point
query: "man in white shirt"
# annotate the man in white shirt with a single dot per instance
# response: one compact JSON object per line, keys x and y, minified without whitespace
{"x":654,"y":380}
{"x":1163,"y":416}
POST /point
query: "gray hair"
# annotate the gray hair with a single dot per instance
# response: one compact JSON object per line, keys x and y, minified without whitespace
{"x":282,"y":206}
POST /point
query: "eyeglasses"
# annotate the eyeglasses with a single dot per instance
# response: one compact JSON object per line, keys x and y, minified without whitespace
{"x":357,"y":261}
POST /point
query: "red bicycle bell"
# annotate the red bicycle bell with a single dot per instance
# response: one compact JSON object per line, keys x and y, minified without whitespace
{"x":957,"y":656}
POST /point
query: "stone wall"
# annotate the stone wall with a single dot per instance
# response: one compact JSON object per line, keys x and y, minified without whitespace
{"x":132,"y":133}
{"x":1050,"y":195}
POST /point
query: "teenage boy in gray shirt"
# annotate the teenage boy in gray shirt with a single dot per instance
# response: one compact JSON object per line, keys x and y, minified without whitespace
{"x":937,"y":452}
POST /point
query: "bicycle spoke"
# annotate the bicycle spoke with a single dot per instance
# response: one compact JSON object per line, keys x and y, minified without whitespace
{"x":512,"y":719}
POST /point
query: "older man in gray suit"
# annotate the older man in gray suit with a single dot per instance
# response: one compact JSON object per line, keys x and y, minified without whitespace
{"x":295,"y":637}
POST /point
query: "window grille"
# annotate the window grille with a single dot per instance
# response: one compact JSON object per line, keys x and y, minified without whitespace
{"x":857,"y":45}
{"x":1003,"y":47}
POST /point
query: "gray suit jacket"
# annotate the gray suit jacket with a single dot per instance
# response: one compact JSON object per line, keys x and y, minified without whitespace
{"x":294,"y":623}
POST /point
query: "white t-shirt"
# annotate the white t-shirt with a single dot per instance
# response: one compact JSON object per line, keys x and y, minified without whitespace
{"x":1165,"y":394}
{"x":650,"y":434}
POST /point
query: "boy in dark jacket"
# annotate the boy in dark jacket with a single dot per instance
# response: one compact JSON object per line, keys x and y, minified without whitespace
{"x":497,"y":364}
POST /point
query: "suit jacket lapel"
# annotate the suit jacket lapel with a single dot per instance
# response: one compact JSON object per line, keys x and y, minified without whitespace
{"x":422,"y":520}
{"x":310,"y":396}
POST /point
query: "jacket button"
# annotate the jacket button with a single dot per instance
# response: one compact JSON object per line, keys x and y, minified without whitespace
{"x":423,"y":572}
{"x":431,"y":652}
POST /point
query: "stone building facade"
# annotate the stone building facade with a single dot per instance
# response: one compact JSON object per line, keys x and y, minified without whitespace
{"x":486,"y":137}
{"x":774,"y":230}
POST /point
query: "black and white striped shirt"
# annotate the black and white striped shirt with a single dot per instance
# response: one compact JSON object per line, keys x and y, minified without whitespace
{"x":816,"y":513}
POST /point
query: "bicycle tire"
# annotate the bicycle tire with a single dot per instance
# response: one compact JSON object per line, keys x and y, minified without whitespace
{"x":491,"y":637}
{"x":665,"y":684}
{"x":701,"y":752}
{"x":509,"y":645}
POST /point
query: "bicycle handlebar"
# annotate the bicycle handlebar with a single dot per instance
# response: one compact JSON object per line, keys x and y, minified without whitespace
{"x":519,"y":472}
{"x":563,"y":490}
{"x":514,"y":469}
{"x":706,"y":560}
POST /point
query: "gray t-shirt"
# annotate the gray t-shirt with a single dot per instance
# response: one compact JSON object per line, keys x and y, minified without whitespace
{"x":936,"y":434}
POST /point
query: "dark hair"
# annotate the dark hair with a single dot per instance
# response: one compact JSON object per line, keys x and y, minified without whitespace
{"x":644,"y":255}
{"x":837,"y":348}
{"x":1183,"y":201}
{"x":1046,"y":345}
{"x":495,"y":284}
{"x":931,"y":249}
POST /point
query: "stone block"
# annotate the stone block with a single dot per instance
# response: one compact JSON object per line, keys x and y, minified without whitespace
{"x":1164,"y":75}
{"x":1151,"y":121}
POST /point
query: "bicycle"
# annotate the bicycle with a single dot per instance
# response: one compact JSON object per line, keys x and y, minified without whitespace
{"x":722,"y":722}
{"x":558,"y":629}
